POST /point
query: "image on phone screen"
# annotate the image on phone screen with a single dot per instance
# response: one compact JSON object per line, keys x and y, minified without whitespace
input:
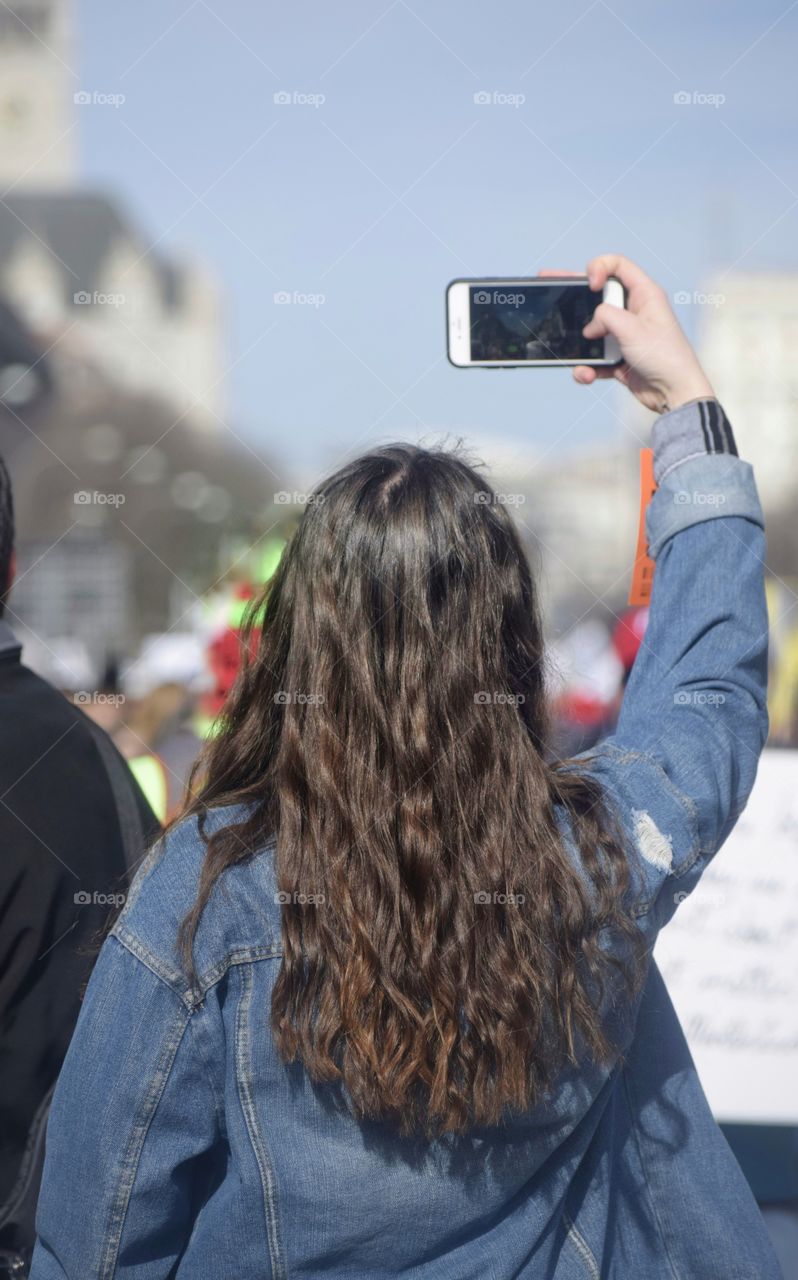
{"x":537,"y":323}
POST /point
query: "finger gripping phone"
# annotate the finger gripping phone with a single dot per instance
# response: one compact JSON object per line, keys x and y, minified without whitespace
{"x":533,"y":323}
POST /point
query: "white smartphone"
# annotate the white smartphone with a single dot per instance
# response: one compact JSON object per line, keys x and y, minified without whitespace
{"x":507,"y":324}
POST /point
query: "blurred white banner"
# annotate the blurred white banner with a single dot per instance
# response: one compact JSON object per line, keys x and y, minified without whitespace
{"x":730,"y":958}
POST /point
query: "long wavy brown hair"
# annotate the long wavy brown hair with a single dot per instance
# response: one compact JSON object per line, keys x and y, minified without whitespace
{"x":443,"y":956}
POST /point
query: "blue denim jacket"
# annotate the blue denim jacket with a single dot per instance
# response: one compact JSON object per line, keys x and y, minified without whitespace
{"x":180,"y":1146}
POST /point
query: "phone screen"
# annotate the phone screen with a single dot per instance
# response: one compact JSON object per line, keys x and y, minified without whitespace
{"x":537,"y":322}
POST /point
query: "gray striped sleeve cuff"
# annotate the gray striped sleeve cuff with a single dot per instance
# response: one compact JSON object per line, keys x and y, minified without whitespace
{"x":691,"y":431}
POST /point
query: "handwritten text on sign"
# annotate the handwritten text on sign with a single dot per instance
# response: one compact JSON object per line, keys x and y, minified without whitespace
{"x":730,"y":958}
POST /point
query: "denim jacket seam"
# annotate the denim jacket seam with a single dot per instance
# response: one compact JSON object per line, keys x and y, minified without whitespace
{"x":692,"y":521}
{"x":652,"y":1202}
{"x":239,"y":956}
{"x":171,"y":978}
{"x":136,"y":946}
{"x":586,"y":1254}
{"x":135,"y":1145}
{"x":191,"y":996}
{"x":689,"y":457}
{"x":257,"y":1139}
{"x":217,"y":1100}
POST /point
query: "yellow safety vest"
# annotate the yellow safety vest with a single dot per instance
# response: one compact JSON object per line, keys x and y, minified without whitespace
{"x":151,"y":777}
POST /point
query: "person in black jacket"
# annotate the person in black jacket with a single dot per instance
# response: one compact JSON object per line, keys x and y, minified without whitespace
{"x":73,"y":823}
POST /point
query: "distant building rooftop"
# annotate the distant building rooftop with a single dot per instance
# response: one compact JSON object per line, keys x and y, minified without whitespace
{"x":80,"y":229}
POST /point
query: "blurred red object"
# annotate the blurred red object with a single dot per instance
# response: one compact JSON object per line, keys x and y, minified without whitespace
{"x":628,"y":636}
{"x":226,"y":651}
{"x":577,"y":707}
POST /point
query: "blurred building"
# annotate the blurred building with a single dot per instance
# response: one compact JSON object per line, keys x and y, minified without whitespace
{"x":72,"y":263}
{"x":81,"y":275}
{"x":130,"y":490}
{"x":584,"y":510}
{"x":578,"y":514}
{"x":37,"y":110}
{"x":747,"y":341}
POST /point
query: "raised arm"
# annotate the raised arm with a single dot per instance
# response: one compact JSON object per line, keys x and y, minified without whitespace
{"x":683,"y":760}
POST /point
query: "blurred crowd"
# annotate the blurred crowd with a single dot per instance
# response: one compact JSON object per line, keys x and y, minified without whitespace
{"x":159,"y":705}
{"x":591,"y":663}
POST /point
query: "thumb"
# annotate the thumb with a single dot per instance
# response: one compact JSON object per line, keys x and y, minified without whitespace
{"x":613,"y":320}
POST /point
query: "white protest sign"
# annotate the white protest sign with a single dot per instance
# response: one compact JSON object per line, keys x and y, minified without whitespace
{"x":730,"y":958}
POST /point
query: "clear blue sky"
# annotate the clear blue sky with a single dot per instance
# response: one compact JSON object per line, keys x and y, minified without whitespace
{"x":399,"y":181}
